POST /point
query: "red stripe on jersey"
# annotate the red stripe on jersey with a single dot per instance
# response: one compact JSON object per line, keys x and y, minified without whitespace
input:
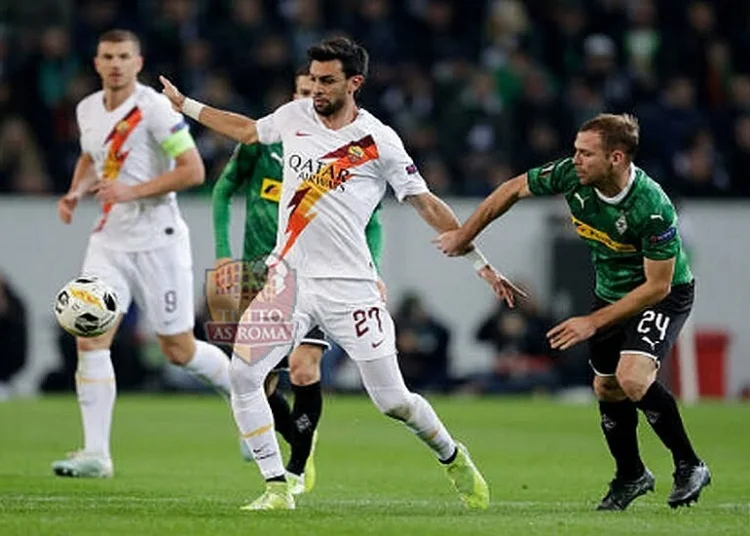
{"x":115,"y":159}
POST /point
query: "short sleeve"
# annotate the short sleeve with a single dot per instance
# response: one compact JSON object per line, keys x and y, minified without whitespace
{"x":270,"y":127}
{"x":169,"y":128}
{"x":398,"y":168}
{"x":552,"y":178}
{"x":267,"y":130}
{"x":660,"y":239}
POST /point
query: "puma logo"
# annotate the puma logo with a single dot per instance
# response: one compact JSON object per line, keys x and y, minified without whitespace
{"x":650,"y":342}
{"x":581,"y":199}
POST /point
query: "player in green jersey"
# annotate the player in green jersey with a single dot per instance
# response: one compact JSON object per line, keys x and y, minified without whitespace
{"x":258,"y":170}
{"x":644,"y":293}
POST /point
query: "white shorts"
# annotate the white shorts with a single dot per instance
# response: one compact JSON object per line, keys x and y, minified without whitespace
{"x":160,"y":281}
{"x":351,"y":312}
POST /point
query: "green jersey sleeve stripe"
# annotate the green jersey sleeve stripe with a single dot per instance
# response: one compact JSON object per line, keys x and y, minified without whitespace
{"x":178,"y":143}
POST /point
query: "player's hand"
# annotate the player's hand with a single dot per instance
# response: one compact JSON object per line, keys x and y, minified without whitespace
{"x":66,"y":205}
{"x":502,"y":286}
{"x":569,"y":333}
{"x":452,"y":243}
{"x":223,"y":272}
{"x":114,"y":192}
{"x":173,"y":94}
{"x":383,"y":290}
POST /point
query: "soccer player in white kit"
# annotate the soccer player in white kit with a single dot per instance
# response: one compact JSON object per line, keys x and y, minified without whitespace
{"x":338,"y":160}
{"x":136,"y":151}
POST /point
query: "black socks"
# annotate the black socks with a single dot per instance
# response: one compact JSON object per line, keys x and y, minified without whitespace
{"x":308,"y":405}
{"x":662,"y":413}
{"x":619,"y":424}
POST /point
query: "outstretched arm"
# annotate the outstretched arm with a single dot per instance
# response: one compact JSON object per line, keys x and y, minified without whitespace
{"x":235,"y":126}
{"x":440,"y":217}
{"x":495,"y":205}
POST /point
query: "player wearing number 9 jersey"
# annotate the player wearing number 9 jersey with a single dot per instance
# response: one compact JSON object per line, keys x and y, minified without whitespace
{"x":338,"y":161}
{"x":644,"y":293}
{"x":136,"y":152}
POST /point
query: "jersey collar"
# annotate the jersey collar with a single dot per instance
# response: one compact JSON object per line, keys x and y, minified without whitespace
{"x":625,"y":191}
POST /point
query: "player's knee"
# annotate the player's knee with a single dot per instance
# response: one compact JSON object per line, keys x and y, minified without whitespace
{"x":178,"y":350}
{"x":93,"y":343}
{"x":607,"y":389}
{"x":304,"y":366}
{"x":244,"y":378}
{"x":633,"y":385}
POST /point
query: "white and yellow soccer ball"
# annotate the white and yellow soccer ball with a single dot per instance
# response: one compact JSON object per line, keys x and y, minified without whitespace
{"x":86,"y":307}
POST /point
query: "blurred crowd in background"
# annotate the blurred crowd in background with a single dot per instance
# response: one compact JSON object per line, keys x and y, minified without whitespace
{"x":479,"y":89}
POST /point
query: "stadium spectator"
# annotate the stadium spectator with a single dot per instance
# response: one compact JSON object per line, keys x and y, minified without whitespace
{"x":13,"y":334}
{"x":521,"y":362}
{"x":422,"y":344}
{"x":521,"y":77}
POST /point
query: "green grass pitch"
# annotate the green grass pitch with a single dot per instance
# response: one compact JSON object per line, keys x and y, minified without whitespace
{"x":178,"y":472}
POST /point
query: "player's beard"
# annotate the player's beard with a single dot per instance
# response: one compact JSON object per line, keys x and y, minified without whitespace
{"x":329,"y":107}
{"x":607,"y":176}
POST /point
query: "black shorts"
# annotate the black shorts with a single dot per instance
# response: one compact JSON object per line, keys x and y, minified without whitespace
{"x":315,"y":337}
{"x":652,"y":332}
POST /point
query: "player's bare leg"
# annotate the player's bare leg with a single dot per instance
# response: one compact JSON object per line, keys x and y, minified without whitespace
{"x":385,"y":385}
{"x":96,"y":390}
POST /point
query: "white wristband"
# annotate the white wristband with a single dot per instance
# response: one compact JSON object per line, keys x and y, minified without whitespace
{"x":476,"y":257}
{"x":192,"y":108}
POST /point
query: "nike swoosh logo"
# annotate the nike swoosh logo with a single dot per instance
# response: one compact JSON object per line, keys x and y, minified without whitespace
{"x":277,"y":157}
{"x":376,"y":344}
{"x":300,"y":133}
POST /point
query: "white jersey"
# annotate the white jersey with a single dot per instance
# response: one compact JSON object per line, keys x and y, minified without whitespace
{"x":127,"y":145}
{"x":333,"y":181}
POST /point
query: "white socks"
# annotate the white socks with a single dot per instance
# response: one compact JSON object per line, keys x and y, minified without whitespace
{"x":255,"y":422}
{"x":211,"y":365}
{"x":95,"y":385}
{"x":385,"y":385}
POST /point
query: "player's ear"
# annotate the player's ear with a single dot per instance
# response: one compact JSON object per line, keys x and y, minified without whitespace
{"x":138,"y":63}
{"x":355,"y":82}
{"x":617,"y":157}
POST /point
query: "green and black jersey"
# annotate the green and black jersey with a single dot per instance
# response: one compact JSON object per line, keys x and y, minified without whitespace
{"x":258,"y":169}
{"x":638,"y":223}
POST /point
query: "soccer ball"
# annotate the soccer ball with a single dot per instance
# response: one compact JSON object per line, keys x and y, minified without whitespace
{"x":86,"y":307}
